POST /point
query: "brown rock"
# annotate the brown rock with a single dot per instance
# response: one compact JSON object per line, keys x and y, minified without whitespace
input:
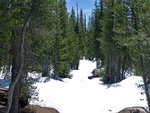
{"x":38,"y":109}
{"x":3,"y":99}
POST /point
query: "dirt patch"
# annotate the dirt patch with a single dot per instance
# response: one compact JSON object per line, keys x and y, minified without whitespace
{"x":38,"y":109}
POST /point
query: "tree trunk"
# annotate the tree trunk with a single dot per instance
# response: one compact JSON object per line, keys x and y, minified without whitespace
{"x":110,"y":68}
{"x":18,"y":65}
{"x":135,"y":26}
{"x":15,"y":67}
{"x":18,"y":68}
{"x":118,"y":63}
{"x":144,"y":79}
{"x":148,"y":71}
{"x":55,"y":62}
{"x":122,"y":76}
{"x":45,"y":66}
{"x":15,"y":102}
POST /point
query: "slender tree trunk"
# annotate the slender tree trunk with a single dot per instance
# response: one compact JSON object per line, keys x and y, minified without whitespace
{"x":15,"y":67}
{"x":19,"y":69}
{"x":118,"y":77}
{"x":56,"y":57}
{"x":15,"y":102}
{"x":45,"y":66}
{"x":17,"y":73}
{"x":144,"y":79}
{"x":110,"y":68}
{"x":147,"y":79}
{"x":123,"y":68}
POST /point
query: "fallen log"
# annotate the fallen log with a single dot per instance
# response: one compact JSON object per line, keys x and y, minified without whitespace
{"x":93,"y":76}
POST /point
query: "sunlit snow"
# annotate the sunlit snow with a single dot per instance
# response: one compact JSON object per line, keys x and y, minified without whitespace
{"x":81,"y":95}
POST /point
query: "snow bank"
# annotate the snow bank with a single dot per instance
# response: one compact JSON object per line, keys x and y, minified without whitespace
{"x":81,"y":95}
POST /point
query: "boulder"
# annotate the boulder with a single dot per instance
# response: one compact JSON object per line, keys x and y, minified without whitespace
{"x":38,"y":109}
{"x":134,"y":110}
{"x":3,"y":99}
{"x":95,"y":74}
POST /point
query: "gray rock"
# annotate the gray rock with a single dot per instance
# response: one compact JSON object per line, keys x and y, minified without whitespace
{"x":134,"y":110}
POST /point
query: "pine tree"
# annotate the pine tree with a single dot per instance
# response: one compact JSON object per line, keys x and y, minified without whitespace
{"x":5,"y":33}
{"x":18,"y":34}
{"x":110,"y":46}
{"x":122,"y":33}
{"x":140,"y":33}
{"x":81,"y":34}
{"x":96,"y":31}
{"x":89,"y":42}
{"x":21,"y":21}
{"x":73,"y":18}
{"x":77,"y":56}
{"x":64,"y":42}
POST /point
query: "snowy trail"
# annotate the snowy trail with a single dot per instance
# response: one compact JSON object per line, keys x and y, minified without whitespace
{"x":81,"y":95}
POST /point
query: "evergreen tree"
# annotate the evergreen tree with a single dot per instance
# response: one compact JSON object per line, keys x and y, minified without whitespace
{"x":81,"y":34}
{"x":77,"y":56}
{"x":22,"y":14}
{"x":89,"y":51}
{"x":5,"y":33}
{"x":121,"y":29}
{"x":95,"y":32}
{"x":64,"y":44}
{"x":110,"y":46}
{"x":140,"y":34}
{"x":73,"y":18}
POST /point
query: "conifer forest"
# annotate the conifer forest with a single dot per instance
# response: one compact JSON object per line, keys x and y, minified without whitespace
{"x":42,"y":36}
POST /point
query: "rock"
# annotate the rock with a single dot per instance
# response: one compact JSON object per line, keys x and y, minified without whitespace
{"x":38,"y":109}
{"x":3,"y":99}
{"x":95,"y":74}
{"x":3,"y":95}
{"x":2,"y":108}
{"x":134,"y":110}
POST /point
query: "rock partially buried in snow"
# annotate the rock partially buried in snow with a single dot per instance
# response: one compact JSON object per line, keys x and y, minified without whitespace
{"x":95,"y":74}
{"x":38,"y":109}
{"x":134,"y":110}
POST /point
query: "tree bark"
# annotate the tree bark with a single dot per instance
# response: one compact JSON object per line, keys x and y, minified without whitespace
{"x":118,"y":61}
{"x":56,"y":57}
{"x":19,"y":69}
{"x":15,"y":67}
{"x":144,"y":79}
{"x":148,"y":67}
{"x":15,"y":102}
{"x":45,"y":66}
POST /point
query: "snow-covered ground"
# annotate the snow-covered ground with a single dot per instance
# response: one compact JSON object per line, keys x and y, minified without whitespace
{"x":81,"y":95}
